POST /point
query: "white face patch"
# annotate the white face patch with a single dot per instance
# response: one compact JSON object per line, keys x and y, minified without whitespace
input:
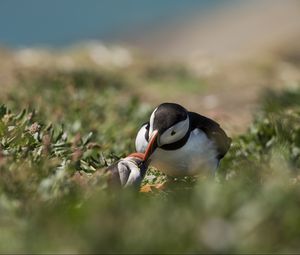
{"x":175,"y":133}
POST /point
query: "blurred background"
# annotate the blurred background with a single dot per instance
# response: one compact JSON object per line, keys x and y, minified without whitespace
{"x":229,"y":47}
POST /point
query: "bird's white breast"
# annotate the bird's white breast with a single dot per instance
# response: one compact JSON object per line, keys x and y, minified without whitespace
{"x":140,"y":141}
{"x":196,"y":155}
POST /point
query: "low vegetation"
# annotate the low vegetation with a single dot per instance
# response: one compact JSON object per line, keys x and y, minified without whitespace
{"x":59,"y":130}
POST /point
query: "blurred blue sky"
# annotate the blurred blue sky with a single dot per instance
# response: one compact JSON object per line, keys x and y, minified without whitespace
{"x":61,"y":22}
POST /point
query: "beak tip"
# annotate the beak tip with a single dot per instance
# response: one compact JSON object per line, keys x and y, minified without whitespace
{"x":151,"y":145}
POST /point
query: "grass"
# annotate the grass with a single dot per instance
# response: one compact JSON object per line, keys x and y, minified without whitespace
{"x":175,"y":78}
{"x":53,"y":192}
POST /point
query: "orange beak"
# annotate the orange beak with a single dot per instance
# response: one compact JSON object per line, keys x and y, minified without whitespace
{"x":151,"y":146}
{"x":137,"y":155}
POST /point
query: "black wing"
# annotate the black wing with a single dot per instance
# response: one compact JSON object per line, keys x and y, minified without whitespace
{"x":213,"y":131}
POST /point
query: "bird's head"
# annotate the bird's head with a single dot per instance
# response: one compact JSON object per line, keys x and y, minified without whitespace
{"x":169,"y":123}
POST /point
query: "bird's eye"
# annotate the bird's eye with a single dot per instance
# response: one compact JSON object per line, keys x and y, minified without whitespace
{"x":173,"y":132}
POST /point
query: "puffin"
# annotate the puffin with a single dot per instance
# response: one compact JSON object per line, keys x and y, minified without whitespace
{"x":181,"y":143}
{"x":127,"y":172}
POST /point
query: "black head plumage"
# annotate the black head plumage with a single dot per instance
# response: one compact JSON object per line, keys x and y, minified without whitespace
{"x":167,"y":115}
